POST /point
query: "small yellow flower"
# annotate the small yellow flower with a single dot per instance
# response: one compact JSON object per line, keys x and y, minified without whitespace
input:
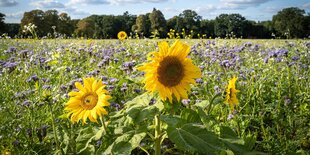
{"x":170,"y":71}
{"x":88,"y":102}
{"x":122,"y":35}
{"x":231,"y":93}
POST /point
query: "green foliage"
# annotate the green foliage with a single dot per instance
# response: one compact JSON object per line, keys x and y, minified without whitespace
{"x":272,"y":116}
{"x":290,"y":22}
{"x":229,"y":23}
{"x":2,"y":24}
{"x":45,"y":21}
{"x":158,"y":22}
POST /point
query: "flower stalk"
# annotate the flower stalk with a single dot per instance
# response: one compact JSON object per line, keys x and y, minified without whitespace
{"x":157,"y":135}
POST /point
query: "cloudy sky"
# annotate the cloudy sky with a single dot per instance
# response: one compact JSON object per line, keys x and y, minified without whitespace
{"x":257,"y":10}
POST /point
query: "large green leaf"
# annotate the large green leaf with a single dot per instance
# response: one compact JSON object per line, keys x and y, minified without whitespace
{"x":173,"y":121}
{"x":139,"y":114}
{"x":141,"y":100}
{"x":124,"y":144}
{"x":196,"y":138}
{"x":190,"y":116}
{"x":234,"y":143}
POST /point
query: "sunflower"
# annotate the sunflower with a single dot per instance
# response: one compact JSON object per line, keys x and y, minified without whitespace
{"x":169,"y":71}
{"x":231,"y":93}
{"x":88,"y":102}
{"x":122,"y":35}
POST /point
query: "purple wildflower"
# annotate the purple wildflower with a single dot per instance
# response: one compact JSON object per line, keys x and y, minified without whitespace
{"x":199,"y":81}
{"x":185,"y":102}
{"x":33,"y":78}
{"x":47,"y":87}
{"x":16,"y":143}
{"x":26,"y":103}
{"x":113,"y":80}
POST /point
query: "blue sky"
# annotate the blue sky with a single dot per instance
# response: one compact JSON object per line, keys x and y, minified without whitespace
{"x":257,"y":10}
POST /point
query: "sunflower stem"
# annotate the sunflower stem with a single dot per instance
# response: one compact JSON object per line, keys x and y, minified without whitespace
{"x":103,"y":124}
{"x":157,"y":135}
{"x":211,"y":102}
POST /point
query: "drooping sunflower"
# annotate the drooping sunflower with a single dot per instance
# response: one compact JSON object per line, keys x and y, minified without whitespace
{"x":122,"y":35}
{"x":231,"y":93}
{"x":88,"y":102}
{"x":169,"y":71}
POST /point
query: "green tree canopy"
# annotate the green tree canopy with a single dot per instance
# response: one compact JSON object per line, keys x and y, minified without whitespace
{"x":190,"y":20}
{"x":158,"y":22}
{"x":228,"y":23}
{"x":2,"y":24}
{"x":290,"y":22}
{"x":143,"y":25}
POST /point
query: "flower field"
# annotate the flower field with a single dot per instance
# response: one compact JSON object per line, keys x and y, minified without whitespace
{"x":220,"y":96}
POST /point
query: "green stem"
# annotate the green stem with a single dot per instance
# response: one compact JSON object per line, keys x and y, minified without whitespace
{"x":157,"y":135}
{"x":211,"y":102}
{"x":54,"y":128}
{"x":143,"y":149}
{"x":103,"y":124}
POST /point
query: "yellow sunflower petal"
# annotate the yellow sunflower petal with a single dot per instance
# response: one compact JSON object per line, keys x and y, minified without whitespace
{"x":84,"y":104}
{"x":79,"y":86}
{"x":169,"y":71}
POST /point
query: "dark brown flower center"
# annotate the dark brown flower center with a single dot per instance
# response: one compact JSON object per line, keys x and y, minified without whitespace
{"x":170,"y":71}
{"x":89,"y":101}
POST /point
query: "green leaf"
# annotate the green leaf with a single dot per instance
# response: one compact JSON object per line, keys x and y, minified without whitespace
{"x":227,"y":132}
{"x":190,"y":116}
{"x":250,"y":141}
{"x":141,"y":100}
{"x":124,"y":144}
{"x":203,"y":104}
{"x":99,"y":133}
{"x":139,"y":114}
{"x":136,"y":139}
{"x":207,"y":120}
{"x":196,"y":138}
{"x":84,"y":134}
{"x":172,"y":121}
{"x":232,"y":141}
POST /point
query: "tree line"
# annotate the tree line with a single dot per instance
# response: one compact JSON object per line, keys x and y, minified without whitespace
{"x":287,"y":23}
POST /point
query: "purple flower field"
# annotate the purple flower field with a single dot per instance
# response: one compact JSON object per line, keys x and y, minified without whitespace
{"x":272,"y":115}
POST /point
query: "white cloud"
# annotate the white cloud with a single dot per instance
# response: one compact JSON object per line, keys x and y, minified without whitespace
{"x":271,"y":9}
{"x":306,"y":6}
{"x":75,"y":11}
{"x":245,"y":1}
{"x":93,"y":2}
{"x":240,"y":4}
{"x":7,"y":3}
{"x":16,"y":15}
{"x":205,"y":9}
{"x":48,"y":4}
{"x":135,"y":1}
{"x":116,"y":2}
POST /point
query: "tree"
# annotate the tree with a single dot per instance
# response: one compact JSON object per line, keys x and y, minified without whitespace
{"x":158,"y":22}
{"x":2,"y":24}
{"x":51,"y":19}
{"x":86,"y":27}
{"x":189,"y":20}
{"x":143,"y":25}
{"x":290,"y":22}
{"x":12,"y":29}
{"x":127,"y":21}
{"x":207,"y":28}
{"x":228,"y":23}
{"x":35,"y":17}
{"x":65,"y":26}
